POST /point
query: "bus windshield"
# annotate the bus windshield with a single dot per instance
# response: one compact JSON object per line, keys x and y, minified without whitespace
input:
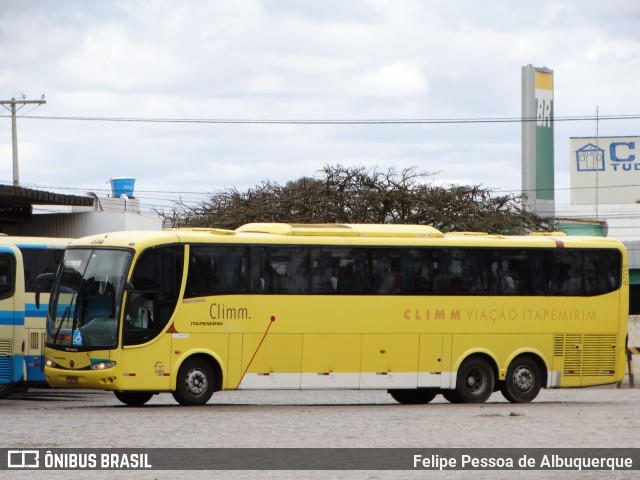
{"x":86,"y":299}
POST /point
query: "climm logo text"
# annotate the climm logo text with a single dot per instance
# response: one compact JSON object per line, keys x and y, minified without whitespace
{"x":219,"y":311}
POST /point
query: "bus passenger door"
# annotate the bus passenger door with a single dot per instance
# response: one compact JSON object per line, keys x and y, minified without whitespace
{"x":151,"y":310}
{"x":146,"y":350}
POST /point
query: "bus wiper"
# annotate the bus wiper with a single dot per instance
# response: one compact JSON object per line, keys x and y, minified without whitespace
{"x":80,"y":296}
{"x":65,"y":315}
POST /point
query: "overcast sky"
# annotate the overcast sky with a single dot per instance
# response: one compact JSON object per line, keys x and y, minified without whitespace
{"x":301,"y":60}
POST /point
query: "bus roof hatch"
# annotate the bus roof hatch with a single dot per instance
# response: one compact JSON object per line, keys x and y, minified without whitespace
{"x":342,"y":230}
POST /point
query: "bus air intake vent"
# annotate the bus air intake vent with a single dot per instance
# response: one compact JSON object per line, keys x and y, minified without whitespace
{"x":34,"y":340}
{"x":5,"y":360}
{"x":586,"y":355}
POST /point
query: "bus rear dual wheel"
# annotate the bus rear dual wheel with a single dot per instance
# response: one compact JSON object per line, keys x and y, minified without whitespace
{"x":475,"y":383}
{"x":523,"y":381}
{"x":414,"y":397}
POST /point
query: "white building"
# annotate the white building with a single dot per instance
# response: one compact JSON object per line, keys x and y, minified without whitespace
{"x":28,"y":212}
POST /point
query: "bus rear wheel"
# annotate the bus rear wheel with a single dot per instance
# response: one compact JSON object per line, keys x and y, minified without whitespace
{"x":523,"y":381}
{"x":414,"y":397}
{"x":134,"y":399}
{"x":475,"y":380}
{"x":452,"y":396}
{"x":195,"y":383}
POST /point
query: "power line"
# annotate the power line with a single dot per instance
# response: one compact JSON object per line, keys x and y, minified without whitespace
{"x":399,"y":121}
{"x":162,"y":193}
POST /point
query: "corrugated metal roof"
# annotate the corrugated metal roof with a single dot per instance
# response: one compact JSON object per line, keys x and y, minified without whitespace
{"x":10,"y":195}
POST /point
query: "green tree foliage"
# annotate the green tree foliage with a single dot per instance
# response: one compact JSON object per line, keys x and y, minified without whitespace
{"x":341,"y":194}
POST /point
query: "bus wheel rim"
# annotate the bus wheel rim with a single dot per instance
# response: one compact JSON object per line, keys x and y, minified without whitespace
{"x":523,"y":379}
{"x":196,"y":382}
{"x":475,"y":381}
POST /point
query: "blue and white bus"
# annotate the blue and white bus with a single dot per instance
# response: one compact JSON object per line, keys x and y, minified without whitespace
{"x":22,"y":321}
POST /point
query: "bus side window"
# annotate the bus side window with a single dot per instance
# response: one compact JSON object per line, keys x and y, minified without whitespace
{"x":567,"y":273}
{"x":299,"y":280}
{"x":257,"y":264}
{"x":157,"y":276}
{"x":279,"y":270}
{"x":38,"y":261}
{"x":440,"y":272}
{"x":339,"y":270}
{"x":387,"y":273}
{"x":215,"y":270}
{"x":597,"y":268}
{"x":322,"y":279}
{"x":6,"y":275}
{"x":510,"y":273}
{"x":420,"y":272}
{"x":140,"y":310}
{"x":479,"y":271}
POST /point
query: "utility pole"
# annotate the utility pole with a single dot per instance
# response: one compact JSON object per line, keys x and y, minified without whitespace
{"x":11,"y":105}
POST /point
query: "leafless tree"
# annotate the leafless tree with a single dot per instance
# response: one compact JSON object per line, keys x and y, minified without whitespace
{"x":341,"y":194}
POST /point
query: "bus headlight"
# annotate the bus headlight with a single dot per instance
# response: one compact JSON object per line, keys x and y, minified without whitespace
{"x":102,"y":365}
{"x":50,"y":363}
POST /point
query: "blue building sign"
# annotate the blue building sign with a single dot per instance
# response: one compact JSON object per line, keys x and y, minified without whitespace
{"x":605,"y":170}
{"x":623,"y":148}
{"x":590,"y":158}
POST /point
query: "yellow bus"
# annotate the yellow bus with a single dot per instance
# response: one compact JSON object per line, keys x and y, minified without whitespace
{"x":402,"y":308}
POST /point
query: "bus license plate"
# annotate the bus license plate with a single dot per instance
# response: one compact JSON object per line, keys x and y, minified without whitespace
{"x":72,"y":380}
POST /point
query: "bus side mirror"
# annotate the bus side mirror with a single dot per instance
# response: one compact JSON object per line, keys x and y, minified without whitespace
{"x":133,"y":305}
{"x":44,"y":282}
{"x":134,"y":301}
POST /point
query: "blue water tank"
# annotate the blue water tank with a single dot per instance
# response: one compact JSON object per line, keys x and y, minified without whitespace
{"x":122,"y":186}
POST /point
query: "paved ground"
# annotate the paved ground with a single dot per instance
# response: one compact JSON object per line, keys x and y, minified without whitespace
{"x":595,"y":417}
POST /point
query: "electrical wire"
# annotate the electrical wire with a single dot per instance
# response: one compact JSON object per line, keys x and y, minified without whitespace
{"x":160,"y":199}
{"x":399,"y":121}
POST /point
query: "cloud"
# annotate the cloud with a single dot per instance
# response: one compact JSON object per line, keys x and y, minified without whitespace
{"x":285,"y":59}
{"x":393,"y":80}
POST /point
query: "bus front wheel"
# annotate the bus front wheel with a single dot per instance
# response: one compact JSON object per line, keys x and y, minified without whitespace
{"x":523,"y":381}
{"x":413,"y":397}
{"x":133,"y":399}
{"x":6,"y":389}
{"x":195,"y":383}
{"x":475,"y":380}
